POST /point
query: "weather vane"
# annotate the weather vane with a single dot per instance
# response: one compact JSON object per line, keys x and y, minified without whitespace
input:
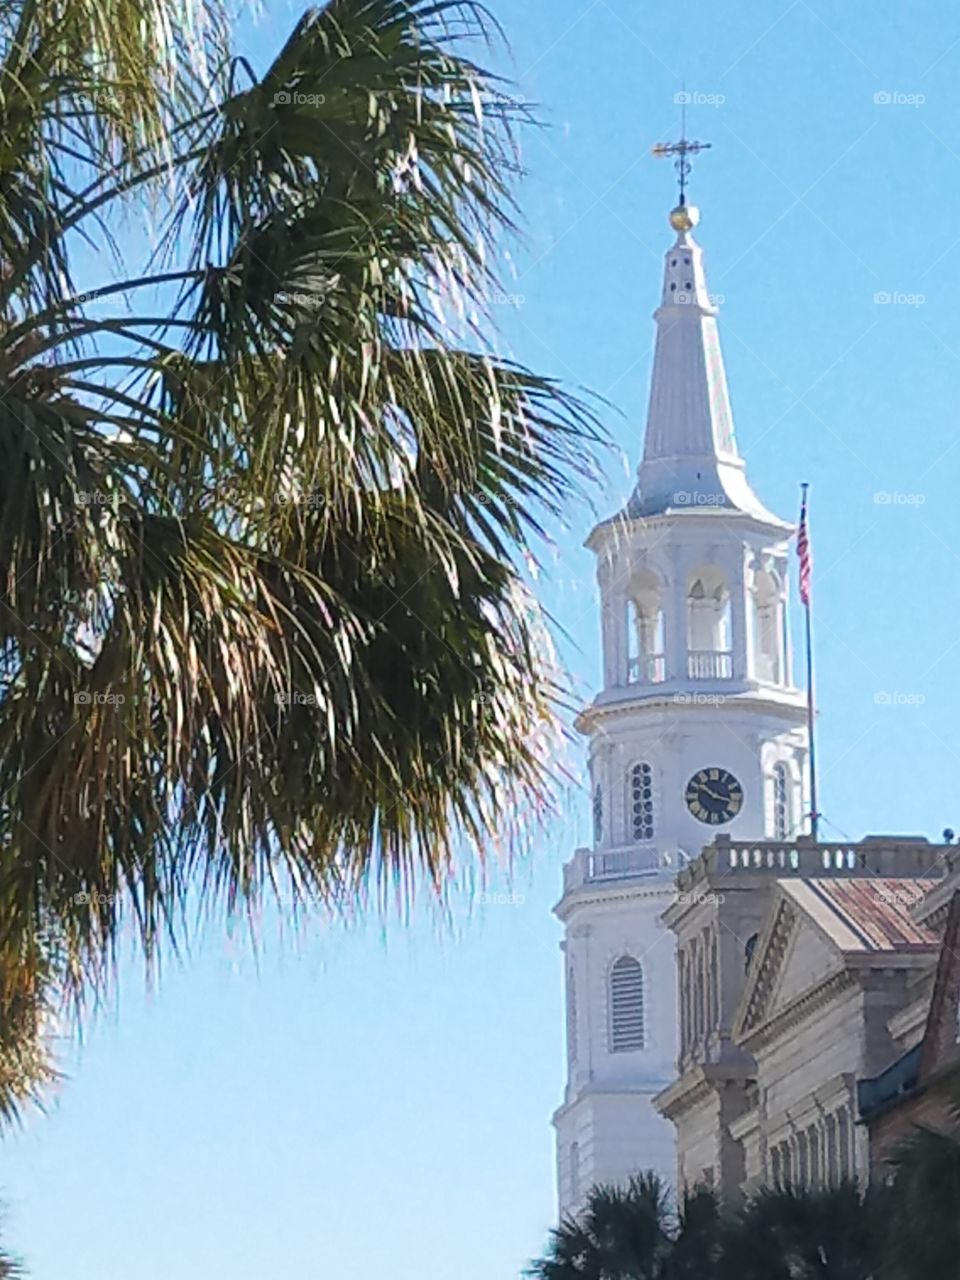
{"x":682,"y":150}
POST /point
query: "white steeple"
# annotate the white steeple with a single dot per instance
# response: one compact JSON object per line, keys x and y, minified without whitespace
{"x":690,"y":454}
{"x":697,"y":729}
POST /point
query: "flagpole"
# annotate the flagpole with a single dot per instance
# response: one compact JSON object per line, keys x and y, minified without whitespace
{"x":814,"y":811}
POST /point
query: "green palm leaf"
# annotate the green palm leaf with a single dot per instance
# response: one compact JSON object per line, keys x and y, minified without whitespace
{"x":799,"y":1233}
{"x":261,"y":499}
{"x":925,"y":1202}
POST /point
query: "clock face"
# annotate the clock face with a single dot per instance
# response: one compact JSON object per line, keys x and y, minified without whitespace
{"x":714,"y":796}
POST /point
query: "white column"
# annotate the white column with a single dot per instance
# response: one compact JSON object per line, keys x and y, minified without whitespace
{"x":736,"y":569}
{"x":608,"y":621}
{"x":675,"y":621}
{"x":750,"y":625}
{"x":785,"y":616}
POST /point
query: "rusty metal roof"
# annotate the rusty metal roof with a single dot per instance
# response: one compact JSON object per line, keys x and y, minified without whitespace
{"x":871,"y":913}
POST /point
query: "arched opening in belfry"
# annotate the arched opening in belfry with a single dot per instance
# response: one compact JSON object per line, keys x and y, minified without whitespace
{"x":708,"y":625}
{"x":645,"y":657}
{"x":768,"y":626}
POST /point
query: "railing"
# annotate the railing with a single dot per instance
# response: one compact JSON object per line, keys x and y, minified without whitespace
{"x":876,"y":856}
{"x":588,"y":866}
{"x":649,"y":668}
{"x":709,"y":664}
{"x":622,"y":862}
{"x":884,"y":856}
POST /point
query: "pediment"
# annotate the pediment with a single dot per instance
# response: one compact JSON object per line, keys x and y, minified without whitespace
{"x":792,"y":958}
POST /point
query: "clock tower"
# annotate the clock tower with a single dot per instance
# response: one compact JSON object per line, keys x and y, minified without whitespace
{"x":697,"y":729}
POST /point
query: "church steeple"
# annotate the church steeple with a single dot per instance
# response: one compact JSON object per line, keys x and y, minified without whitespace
{"x":690,"y":458}
{"x":697,"y":729}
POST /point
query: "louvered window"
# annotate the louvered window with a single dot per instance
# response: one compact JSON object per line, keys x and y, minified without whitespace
{"x":626,"y":1006}
{"x":597,"y":815}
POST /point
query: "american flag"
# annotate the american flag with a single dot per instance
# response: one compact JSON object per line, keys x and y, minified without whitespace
{"x":804,"y":552}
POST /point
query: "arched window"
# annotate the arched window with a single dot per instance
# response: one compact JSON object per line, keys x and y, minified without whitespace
{"x":782,"y":818}
{"x":626,"y":1005}
{"x":597,"y":814}
{"x":748,"y":950}
{"x":641,"y":802}
{"x":571,"y":1018}
{"x":574,"y":1171}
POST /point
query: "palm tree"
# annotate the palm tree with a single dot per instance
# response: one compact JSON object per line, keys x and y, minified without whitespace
{"x":630,"y":1233}
{"x":924,"y":1203}
{"x":797,"y":1233}
{"x":263,"y":487}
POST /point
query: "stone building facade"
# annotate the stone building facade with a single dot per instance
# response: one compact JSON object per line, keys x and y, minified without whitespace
{"x":921,"y":1086}
{"x":802,"y":967}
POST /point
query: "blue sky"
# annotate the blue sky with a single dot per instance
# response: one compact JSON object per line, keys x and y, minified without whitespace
{"x":375,"y":1100}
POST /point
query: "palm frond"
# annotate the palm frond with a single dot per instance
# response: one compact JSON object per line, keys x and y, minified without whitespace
{"x":263,"y":499}
{"x":801,"y":1233}
{"x":925,"y":1202}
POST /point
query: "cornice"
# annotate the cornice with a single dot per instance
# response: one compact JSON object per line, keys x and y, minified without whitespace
{"x":697,"y":1083}
{"x":586,"y":897}
{"x":768,"y":960}
{"x":745,"y":1124}
{"x":934,"y":908}
{"x":911,"y":1019}
{"x":649,"y":1090}
{"x":798,"y":1010}
{"x":789,"y":703}
{"x":826,"y":1097}
{"x":774,"y":532}
{"x":692,"y":1087}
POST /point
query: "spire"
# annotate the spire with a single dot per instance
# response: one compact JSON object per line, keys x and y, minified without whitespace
{"x":690,"y":458}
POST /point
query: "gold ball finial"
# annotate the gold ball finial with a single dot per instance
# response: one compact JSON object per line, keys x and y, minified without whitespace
{"x":684,"y":217}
